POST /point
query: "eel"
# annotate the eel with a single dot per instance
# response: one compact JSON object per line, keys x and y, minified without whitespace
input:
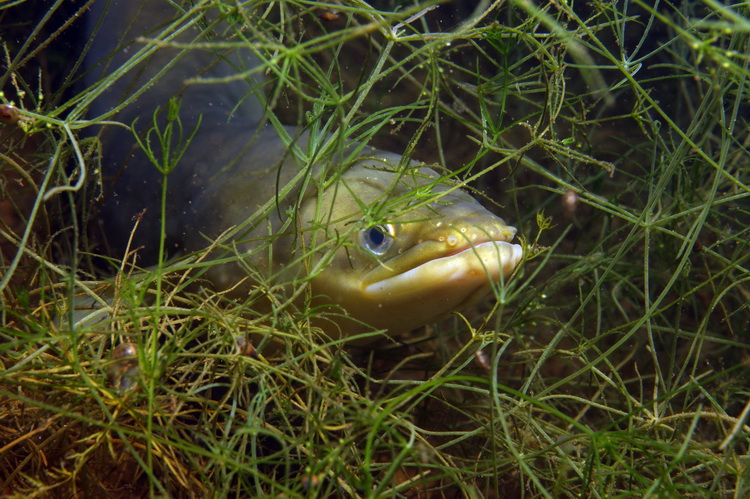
{"x":385,"y":240}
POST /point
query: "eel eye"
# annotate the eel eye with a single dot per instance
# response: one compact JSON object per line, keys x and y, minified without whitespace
{"x":376,"y":239}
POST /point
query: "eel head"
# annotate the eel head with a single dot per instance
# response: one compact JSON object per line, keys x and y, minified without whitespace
{"x":397,"y":249}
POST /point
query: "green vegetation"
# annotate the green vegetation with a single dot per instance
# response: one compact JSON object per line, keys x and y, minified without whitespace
{"x":616,"y":363}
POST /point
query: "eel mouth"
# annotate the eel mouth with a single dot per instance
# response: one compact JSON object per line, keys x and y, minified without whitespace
{"x":468,"y":268}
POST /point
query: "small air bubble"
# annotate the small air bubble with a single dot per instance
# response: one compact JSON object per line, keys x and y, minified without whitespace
{"x":124,"y":370}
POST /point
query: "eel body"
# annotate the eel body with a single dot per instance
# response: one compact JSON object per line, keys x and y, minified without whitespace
{"x":382,"y":239}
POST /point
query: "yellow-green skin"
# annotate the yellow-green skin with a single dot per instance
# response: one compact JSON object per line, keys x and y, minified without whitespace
{"x":434,"y":249}
{"x":444,"y":256}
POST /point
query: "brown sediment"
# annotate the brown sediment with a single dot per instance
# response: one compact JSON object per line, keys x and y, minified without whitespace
{"x":19,"y":180}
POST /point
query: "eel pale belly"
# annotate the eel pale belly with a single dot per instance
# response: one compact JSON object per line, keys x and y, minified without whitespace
{"x":382,"y":239}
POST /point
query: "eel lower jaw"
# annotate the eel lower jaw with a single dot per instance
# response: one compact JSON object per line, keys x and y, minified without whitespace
{"x":459,"y":272}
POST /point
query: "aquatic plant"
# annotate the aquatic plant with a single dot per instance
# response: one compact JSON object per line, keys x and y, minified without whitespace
{"x":614,"y":135}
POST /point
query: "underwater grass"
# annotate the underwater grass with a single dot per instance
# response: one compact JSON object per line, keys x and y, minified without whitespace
{"x":614,"y":135}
